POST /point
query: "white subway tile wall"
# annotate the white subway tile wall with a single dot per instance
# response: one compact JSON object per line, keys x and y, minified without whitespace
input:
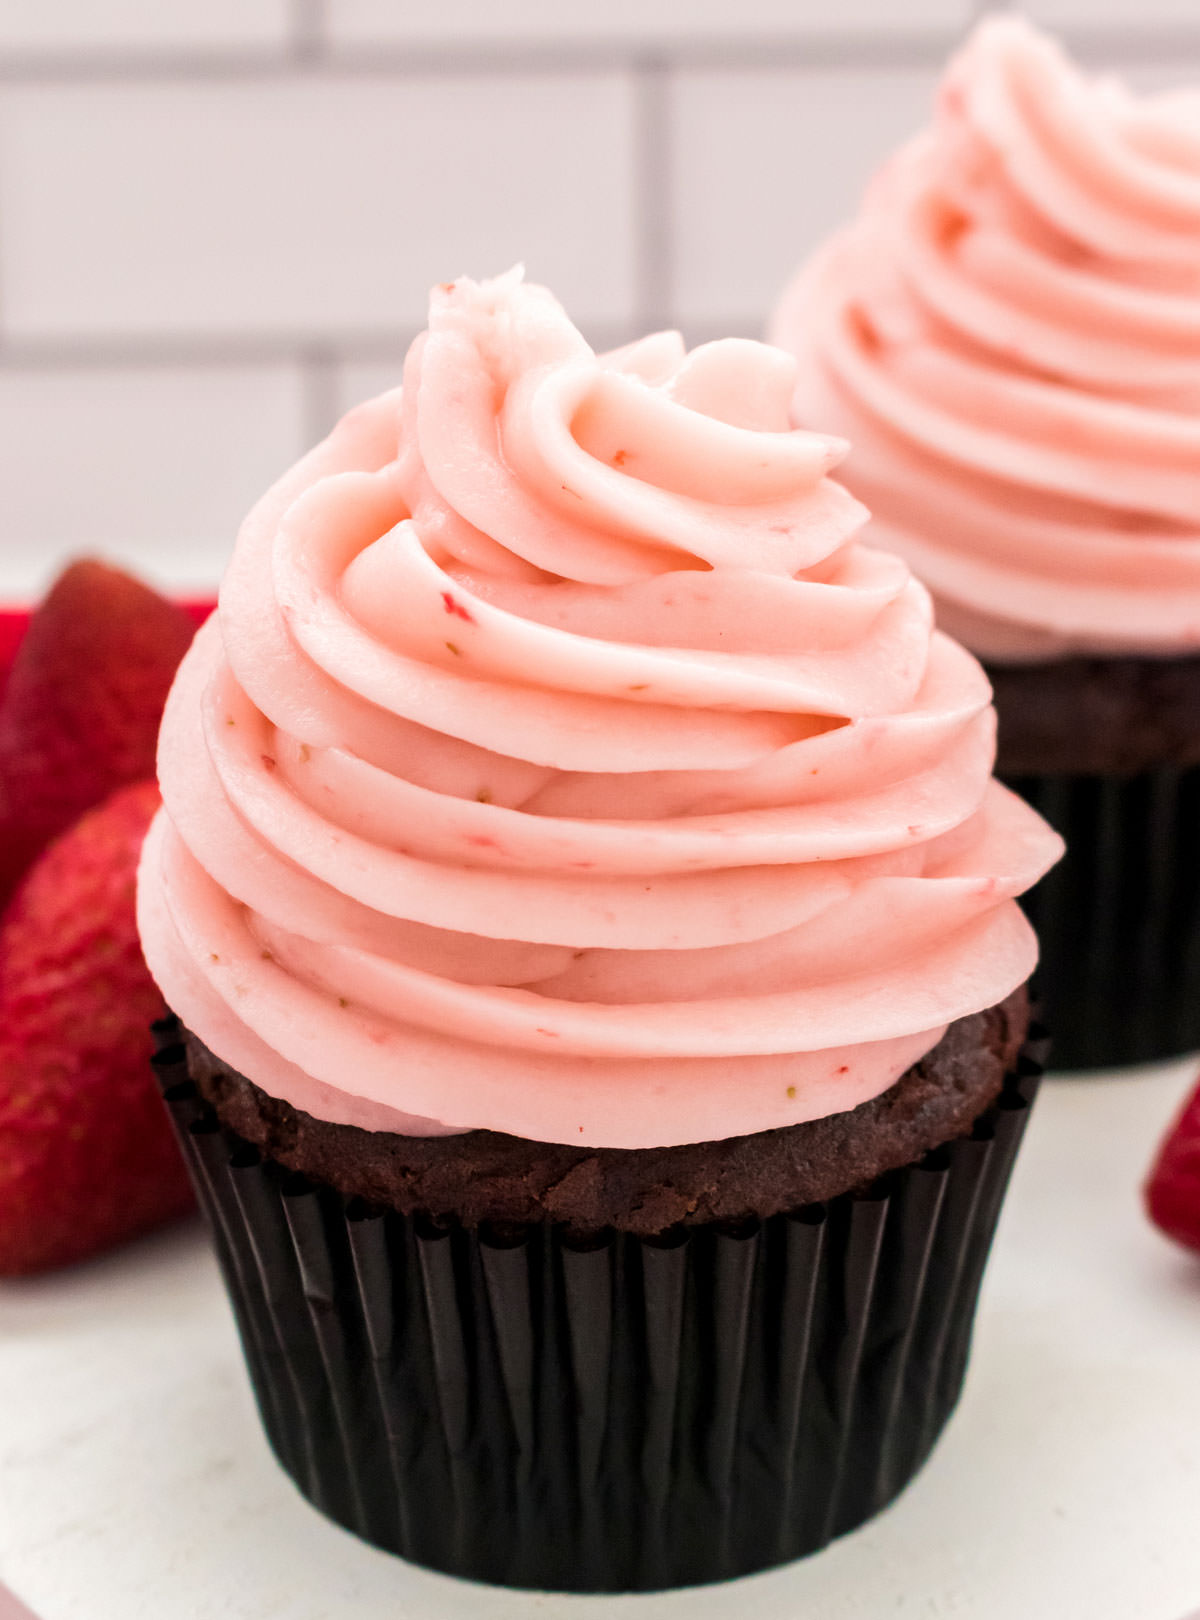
{"x":355,"y":382}
{"x":308,"y":209}
{"x":88,"y":27}
{"x":219,"y":218}
{"x":764,"y":166}
{"x":150,"y":465}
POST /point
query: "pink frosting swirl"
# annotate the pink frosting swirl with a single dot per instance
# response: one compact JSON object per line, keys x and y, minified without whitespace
{"x":1010,"y":335}
{"x":559,"y":764}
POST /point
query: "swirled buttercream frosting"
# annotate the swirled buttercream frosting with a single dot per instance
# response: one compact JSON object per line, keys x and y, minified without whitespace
{"x":1010,"y":336}
{"x":559,"y":763}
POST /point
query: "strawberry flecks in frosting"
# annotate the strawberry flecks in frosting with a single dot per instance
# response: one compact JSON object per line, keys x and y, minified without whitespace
{"x":559,"y":763}
{"x":1010,"y":336}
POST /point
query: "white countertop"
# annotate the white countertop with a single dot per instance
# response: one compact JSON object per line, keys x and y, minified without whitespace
{"x":135,"y":1483}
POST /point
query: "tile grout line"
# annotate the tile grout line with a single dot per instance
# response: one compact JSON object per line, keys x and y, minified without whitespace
{"x":308,"y":45}
{"x":308,"y":51}
{"x":603,"y":53}
{"x":185,"y":350}
{"x":653,"y":197}
{"x":307,"y":31}
{"x":319,"y":393}
{"x":253,"y":348}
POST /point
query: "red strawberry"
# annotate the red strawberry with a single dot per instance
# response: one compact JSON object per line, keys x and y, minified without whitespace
{"x":198,"y":608}
{"x":83,"y":703}
{"x":13,"y":625}
{"x":1173,"y":1190}
{"x":86,"y":1154}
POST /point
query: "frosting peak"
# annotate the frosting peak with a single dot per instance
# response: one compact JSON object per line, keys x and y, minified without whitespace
{"x":1010,"y":335}
{"x":559,"y":763}
{"x":607,"y":471}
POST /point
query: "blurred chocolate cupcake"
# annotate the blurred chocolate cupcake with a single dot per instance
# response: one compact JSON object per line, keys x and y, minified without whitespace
{"x":1010,"y":336}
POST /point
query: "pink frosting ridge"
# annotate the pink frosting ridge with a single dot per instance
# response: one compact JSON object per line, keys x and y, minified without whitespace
{"x":1010,"y":335}
{"x":558,"y":762}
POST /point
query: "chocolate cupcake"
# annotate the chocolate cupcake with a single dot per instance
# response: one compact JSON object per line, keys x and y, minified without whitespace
{"x":1010,"y":336}
{"x":591,"y":924}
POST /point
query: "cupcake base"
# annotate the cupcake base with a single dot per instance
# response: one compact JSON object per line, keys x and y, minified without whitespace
{"x":1108,"y":750}
{"x":612,"y":1413}
{"x":1119,"y":918}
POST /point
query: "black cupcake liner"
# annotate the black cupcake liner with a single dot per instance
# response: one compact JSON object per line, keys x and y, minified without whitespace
{"x":622,"y":1414}
{"x":1119,"y":917}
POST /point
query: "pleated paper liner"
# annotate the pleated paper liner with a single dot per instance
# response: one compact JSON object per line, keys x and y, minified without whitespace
{"x":616,"y":1415}
{"x":1119,"y":917}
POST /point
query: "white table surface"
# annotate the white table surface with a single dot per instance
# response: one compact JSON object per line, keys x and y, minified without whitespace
{"x":135,"y":1483}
